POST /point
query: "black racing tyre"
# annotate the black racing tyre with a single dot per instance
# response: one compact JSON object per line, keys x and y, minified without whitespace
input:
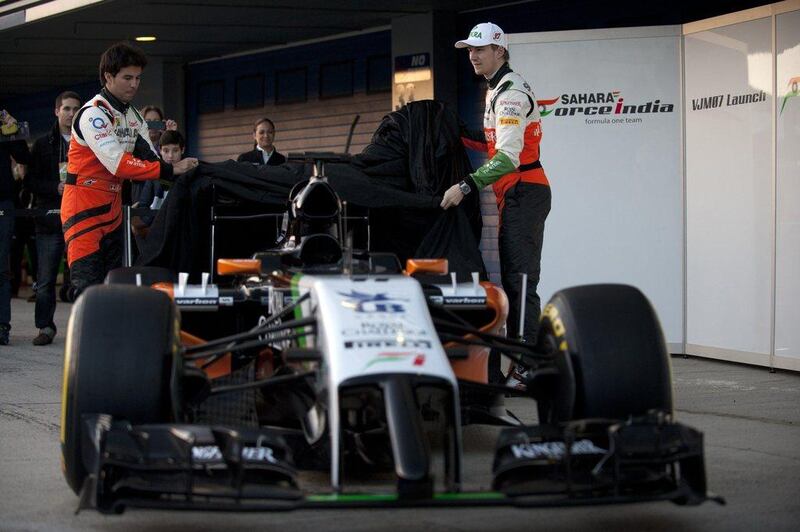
{"x":150,"y":275}
{"x":609,"y":344}
{"x":120,"y":346}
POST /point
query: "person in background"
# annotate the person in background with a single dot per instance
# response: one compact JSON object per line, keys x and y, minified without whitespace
{"x":23,"y":246}
{"x":46,"y":177}
{"x":18,"y":151}
{"x":152,"y":193}
{"x":156,"y":125}
{"x":264,"y":151}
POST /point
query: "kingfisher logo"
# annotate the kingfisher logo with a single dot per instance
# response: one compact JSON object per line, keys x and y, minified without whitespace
{"x":793,"y":90}
{"x":605,"y":105}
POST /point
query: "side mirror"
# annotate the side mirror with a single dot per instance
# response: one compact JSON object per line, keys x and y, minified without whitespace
{"x":433,"y":266}
{"x":238,"y":266}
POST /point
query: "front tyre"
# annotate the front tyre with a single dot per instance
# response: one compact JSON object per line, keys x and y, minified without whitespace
{"x":120,"y":345}
{"x":609,"y":339}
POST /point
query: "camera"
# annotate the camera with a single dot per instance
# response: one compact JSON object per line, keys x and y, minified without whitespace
{"x":158,"y":125}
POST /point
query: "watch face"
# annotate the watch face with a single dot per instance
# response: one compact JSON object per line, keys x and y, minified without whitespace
{"x":464,"y":187}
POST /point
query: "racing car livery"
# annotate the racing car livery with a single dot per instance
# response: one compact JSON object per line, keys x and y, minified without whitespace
{"x":315,"y":356}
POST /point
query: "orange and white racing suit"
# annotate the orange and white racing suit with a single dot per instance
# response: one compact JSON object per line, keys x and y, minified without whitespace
{"x":109,"y":144}
{"x":512,"y":131}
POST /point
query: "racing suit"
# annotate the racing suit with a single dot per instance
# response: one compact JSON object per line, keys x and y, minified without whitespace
{"x":109,"y":144}
{"x":511,"y":135}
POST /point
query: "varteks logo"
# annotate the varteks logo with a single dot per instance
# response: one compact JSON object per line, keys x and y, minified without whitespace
{"x":601,"y":103}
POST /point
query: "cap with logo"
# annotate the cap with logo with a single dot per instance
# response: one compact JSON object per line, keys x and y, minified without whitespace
{"x":484,"y":34}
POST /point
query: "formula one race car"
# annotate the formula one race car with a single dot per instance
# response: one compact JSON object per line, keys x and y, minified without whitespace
{"x":319,"y":357}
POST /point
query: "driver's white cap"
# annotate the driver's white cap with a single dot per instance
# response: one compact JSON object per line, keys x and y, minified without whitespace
{"x":484,"y":34}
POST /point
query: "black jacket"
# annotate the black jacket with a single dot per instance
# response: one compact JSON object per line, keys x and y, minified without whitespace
{"x":17,"y":149}
{"x":415,"y":155}
{"x":254,"y":156}
{"x":42,"y":178}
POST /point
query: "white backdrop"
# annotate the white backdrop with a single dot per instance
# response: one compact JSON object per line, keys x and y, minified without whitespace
{"x":617,"y":212}
{"x":787,"y":308}
{"x":729,"y":189}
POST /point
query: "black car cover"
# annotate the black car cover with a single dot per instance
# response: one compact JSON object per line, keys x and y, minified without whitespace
{"x":414,"y":156}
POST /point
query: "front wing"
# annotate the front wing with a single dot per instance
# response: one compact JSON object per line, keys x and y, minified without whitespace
{"x":217,"y":468}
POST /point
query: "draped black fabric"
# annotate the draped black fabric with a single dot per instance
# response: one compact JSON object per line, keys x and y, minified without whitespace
{"x":414,"y":156}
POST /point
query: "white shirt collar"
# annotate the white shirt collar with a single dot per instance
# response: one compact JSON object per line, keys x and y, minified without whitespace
{"x":264,"y":154}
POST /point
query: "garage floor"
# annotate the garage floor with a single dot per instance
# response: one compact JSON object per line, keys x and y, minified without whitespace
{"x":751,"y":419}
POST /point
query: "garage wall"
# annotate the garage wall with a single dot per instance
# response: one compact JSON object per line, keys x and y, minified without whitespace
{"x":312,"y":92}
{"x":313,"y":125}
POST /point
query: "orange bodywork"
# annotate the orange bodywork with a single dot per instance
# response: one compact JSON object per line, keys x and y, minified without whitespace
{"x":238,"y":266}
{"x":220,"y":368}
{"x":433,"y":266}
{"x":475,"y":366}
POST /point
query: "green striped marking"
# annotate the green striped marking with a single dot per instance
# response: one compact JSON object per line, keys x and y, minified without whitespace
{"x":392,"y":497}
{"x":298,"y":310}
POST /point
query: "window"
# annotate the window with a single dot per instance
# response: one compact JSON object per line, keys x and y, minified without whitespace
{"x":336,"y":79}
{"x":291,"y":86}
{"x":379,"y":74}
{"x":211,"y":97}
{"x":249,"y":92}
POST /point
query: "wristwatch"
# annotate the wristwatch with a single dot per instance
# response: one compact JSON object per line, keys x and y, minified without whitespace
{"x":465,"y":188}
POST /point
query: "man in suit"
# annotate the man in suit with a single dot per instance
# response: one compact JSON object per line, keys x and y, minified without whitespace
{"x":264,"y":152}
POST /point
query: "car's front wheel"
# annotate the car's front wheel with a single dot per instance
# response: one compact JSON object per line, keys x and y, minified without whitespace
{"x":120,"y":346}
{"x":609,"y":345}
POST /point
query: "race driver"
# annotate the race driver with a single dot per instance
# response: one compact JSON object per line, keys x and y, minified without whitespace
{"x":109,"y":143}
{"x":511,"y":134}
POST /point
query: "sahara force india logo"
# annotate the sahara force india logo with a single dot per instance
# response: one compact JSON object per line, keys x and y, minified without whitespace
{"x":793,"y":90}
{"x":605,"y":106}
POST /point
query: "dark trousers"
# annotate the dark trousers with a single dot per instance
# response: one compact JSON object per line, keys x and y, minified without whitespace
{"x":92,"y":269}
{"x":6,"y":234}
{"x":521,"y":236}
{"x":50,"y":248}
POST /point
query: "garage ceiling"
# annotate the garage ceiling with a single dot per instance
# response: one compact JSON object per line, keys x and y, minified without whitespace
{"x":64,"y":49}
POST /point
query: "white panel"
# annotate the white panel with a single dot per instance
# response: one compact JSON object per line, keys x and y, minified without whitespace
{"x":616,"y":178}
{"x":729,"y":186}
{"x":787,"y":311}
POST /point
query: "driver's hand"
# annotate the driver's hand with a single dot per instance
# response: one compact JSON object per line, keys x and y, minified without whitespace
{"x":184,"y":165}
{"x":452,"y":197}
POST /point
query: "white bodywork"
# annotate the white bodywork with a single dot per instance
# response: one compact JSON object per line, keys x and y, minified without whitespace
{"x":375,"y":325}
{"x":372,"y":325}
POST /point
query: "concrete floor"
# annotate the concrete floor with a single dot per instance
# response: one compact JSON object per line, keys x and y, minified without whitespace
{"x":750,"y":417}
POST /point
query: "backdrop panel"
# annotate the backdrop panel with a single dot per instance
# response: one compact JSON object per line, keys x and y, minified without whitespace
{"x":787,"y":308}
{"x":728,"y":86}
{"x":610,"y":101}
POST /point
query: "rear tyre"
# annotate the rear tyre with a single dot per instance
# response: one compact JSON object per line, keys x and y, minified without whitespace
{"x":150,"y":275}
{"x":120,"y":346}
{"x":611,"y":352}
